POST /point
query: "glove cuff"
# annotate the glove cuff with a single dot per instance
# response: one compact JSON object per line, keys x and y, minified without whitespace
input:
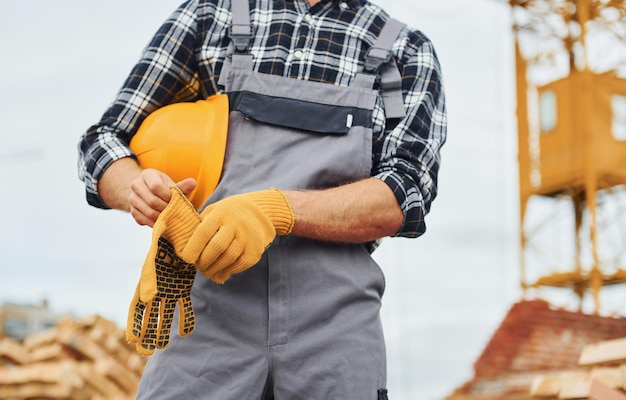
{"x":180,"y":219}
{"x":276,"y":207}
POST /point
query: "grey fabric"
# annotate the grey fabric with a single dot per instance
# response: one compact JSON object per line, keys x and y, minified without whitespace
{"x":390,"y":78}
{"x":302,"y":324}
{"x":391,"y":88}
{"x":241,"y":29}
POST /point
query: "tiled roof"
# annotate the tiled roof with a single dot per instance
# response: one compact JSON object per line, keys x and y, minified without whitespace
{"x":534,"y":338}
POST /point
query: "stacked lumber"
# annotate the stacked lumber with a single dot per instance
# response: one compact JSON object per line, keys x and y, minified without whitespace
{"x":602,"y":375}
{"x":77,"y":359}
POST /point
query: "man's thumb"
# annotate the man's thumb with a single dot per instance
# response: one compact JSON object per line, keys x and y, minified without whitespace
{"x":187,"y":186}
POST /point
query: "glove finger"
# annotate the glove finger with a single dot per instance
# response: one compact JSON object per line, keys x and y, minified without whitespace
{"x":186,"y":317}
{"x":166,"y":315}
{"x":135,"y":318}
{"x":200,"y":237}
{"x":216,"y":257}
{"x":147,"y":344}
{"x":219,"y":244}
{"x":147,"y":287}
{"x":244,"y":262}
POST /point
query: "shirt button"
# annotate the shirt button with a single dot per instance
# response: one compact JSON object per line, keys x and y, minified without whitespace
{"x":298,"y":54}
{"x":343,"y":5}
{"x":308,"y":17}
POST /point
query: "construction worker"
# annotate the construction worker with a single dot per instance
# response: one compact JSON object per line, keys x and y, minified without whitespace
{"x":337,"y":117}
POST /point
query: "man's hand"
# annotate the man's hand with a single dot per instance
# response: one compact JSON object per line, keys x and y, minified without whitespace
{"x":144,"y":193}
{"x":150,"y":193}
{"x":235,"y":232}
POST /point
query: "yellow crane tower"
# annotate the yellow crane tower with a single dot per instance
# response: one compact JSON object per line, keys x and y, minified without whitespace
{"x":571,"y":119}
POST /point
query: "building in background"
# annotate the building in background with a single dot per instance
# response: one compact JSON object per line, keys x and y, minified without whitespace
{"x":17,"y":321}
{"x":533,"y":340}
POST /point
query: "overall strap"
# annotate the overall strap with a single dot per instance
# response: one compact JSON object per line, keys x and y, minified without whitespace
{"x":379,"y":61}
{"x":241,"y":33}
{"x":241,"y":28}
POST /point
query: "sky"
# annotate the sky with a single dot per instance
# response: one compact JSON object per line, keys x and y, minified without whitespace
{"x":447,"y":291}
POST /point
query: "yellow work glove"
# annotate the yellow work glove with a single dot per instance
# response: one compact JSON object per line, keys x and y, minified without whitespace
{"x":166,"y":280}
{"x":235,"y":232}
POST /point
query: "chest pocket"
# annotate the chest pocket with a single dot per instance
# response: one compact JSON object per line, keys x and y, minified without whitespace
{"x":310,"y":116}
{"x":296,"y":134}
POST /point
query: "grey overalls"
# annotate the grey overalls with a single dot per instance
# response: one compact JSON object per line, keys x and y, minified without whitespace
{"x":304,"y":322}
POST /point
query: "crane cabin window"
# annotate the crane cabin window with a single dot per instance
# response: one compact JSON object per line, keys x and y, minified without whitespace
{"x":547,"y":111}
{"x":618,"y":108}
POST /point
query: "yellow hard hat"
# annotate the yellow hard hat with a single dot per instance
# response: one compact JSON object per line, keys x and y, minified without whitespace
{"x":186,"y":140}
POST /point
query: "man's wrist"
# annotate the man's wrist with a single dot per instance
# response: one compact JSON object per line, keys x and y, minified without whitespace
{"x":114,"y":184}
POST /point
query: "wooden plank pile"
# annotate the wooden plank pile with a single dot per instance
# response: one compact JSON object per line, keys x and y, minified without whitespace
{"x":77,"y":359}
{"x":602,"y":377}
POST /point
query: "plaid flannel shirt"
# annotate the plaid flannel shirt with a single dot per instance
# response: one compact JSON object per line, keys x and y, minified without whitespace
{"x":323,"y":43}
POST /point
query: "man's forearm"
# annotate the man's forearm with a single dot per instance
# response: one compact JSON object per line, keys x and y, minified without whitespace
{"x":114,"y":185}
{"x":355,"y":213}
